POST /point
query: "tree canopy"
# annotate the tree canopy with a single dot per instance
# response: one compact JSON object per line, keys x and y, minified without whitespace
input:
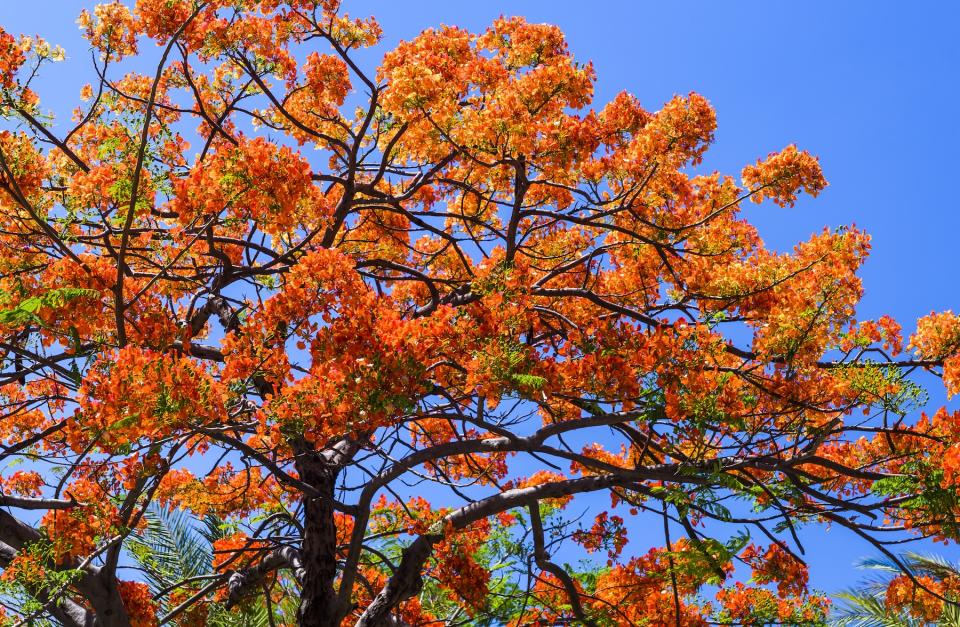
{"x":388,"y":336}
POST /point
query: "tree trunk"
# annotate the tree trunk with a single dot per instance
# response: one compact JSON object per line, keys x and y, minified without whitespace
{"x":318,"y":603}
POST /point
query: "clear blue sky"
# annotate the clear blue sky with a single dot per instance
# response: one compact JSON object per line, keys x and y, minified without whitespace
{"x":870,"y":87}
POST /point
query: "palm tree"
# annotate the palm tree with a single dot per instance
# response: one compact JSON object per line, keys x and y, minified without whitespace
{"x":172,"y":548}
{"x":865,"y":605}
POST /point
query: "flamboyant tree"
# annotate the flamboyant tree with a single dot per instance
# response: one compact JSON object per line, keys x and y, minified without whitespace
{"x":384,"y":332}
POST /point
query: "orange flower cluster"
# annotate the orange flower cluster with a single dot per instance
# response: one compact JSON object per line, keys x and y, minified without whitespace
{"x":223,"y":492}
{"x":454,"y":564}
{"x":500,"y":92}
{"x":777,"y":566}
{"x":642,"y":591}
{"x":256,"y":180}
{"x":904,"y":594}
{"x":28,"y":568}
{"x":368,"y":362}
{"x":84,"y":316}
{"x":782,"y":174}
{"x":28,"y":168}
{"x":938,"y":338}
{"x":746,"y":605}
{"x":139,"y":603}
{"x":457,"y":569}
{"x":141,"y":394}
{"x":112,"y":30}
{"x":885,"y":332}
{"x":160,"y":20}
{"x":316,"y":98}
{"x":937,"y":335}
{"x":411,"y":611}
{"x":549,"y":594}
{"x":607,"y":531}
{"x":23,"y":482}
{"x":541,"y":477}
{"x":76,"y":532}
{"x":11,"y":58}
{"x":950,"y":463}
{"x":235,"y":551}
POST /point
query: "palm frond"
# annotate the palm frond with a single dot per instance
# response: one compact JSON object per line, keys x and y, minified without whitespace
{"x":883,"y":564}
{"x":936,"y":566}
{"x":214,"y":529}
{"x":170,"y":549}
{"x":865,"y":606}
{"x":255,"y":616}
{"x":951,"y":615}
{"x":859,"y":609}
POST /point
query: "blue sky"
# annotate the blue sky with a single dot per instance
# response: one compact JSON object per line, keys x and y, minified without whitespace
{"x":870,"y":87}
